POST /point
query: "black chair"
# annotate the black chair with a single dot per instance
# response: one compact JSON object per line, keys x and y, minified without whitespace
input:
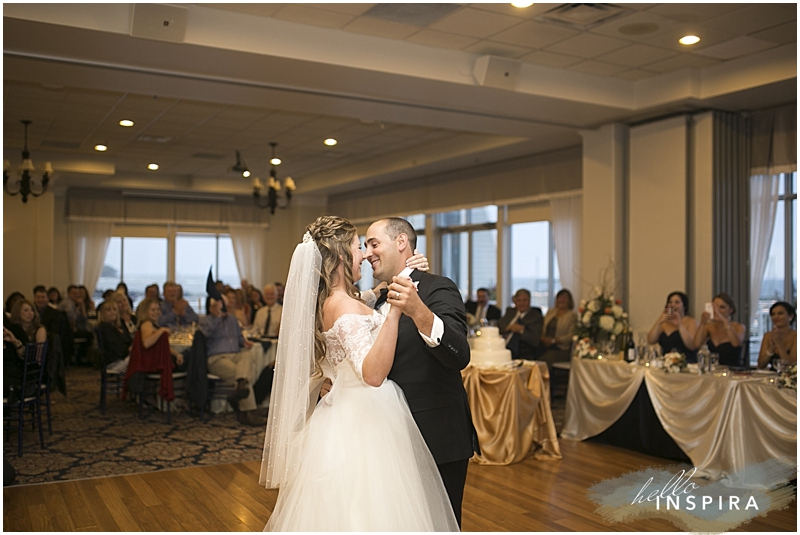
{"x":203,"y":387}
{"x":30,"y":393}
{"x":114,"y":371}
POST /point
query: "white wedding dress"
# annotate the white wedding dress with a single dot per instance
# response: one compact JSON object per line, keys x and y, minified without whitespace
{"x":363,"y":464}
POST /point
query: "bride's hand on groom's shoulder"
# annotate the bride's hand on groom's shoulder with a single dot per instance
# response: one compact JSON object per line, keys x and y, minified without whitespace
{"x":419,"y":262}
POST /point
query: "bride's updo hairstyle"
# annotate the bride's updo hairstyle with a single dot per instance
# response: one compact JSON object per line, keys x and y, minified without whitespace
{"x":333,"y":236}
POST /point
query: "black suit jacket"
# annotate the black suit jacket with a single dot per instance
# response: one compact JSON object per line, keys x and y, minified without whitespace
{"x":492,"y":312}
{"x":529,"y":339}
{"x":430,"y":377}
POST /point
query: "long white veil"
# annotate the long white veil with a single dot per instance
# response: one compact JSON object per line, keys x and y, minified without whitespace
{"x":290,"y":399}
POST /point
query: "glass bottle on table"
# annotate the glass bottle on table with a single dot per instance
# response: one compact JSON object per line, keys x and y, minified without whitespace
{"x":703,"y":360}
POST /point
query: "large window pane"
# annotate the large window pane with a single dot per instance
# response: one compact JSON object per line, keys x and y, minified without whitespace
{"x":227,"y":263}
{"x":484,"y":261}
{"x":144,"y":262}
{"x":112,"y":269}
{"x":194,"y":255}
{"x":455,"y":260}
{"x":772,"y":287}
{"x":530,"y":261}
{"x":471,"y":216}
{"x":417,"y":221}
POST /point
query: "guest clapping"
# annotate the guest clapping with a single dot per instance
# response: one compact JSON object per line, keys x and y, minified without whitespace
{"x":559,"y":326}
{"x":724,"y":336}
{"x":674,"y":330}
{"x":780,"y":344}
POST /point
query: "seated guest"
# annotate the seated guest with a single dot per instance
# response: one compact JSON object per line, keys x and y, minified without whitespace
{"x":176,"y":311}
{"x":50,"y":318}
{"x":88,"y":304}
{"x":522,"y":326}
{"x":781,"y":342}
{"x":725,"y":337}
{"x":75,"y":309}
{"x":256,"y":301}
{"x":152,"y":292}
{"x":238,"y":309}
{"x":122,"y":287}
{"x":268,"y":317}
{"x":115,"y":337}
{"x":560,"y":324}
{"x":23,"y":328}
{"x":11,"y":301}
{"x":281,"y":288}
{"x":223,"y":342}
{"x":126,"y":316}
{"x":54,"y":296}
{"x":481,"y":309}
{"x":150,"y":350}
{"x":106,"y":296}
{"x":674,"y":330}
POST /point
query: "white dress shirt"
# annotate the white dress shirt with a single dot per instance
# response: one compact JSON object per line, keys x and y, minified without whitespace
{"x":438,"y":325}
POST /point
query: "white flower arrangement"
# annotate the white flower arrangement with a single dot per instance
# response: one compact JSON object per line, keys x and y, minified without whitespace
{"x":601,"y":317}
{"x":788,"y":377}
{"x":585,"y":349}
{"x":674,"y":362}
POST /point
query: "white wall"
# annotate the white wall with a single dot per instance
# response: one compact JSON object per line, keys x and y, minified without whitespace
{"x":658,"y":217}
{"x":700,"y":286}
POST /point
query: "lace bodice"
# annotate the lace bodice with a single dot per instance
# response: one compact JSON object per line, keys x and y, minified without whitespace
{"x":351,"y":338}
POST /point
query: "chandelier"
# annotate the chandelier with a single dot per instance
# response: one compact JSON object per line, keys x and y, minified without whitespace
{"x":273,"y":187}
{"x":25,"y":184}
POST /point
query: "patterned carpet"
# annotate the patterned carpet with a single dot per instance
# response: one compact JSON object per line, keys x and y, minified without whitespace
{"x":87,"y":444}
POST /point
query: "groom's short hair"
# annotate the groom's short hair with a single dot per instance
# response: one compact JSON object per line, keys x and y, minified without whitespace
{"x":396,"y":226}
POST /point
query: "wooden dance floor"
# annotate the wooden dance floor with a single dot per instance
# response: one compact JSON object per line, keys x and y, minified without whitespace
{"x":529,"y":496}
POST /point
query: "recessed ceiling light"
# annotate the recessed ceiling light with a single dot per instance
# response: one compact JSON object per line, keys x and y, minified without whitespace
{"x":330,"y":142}
{"x":245,"y":174}
{"x":689,"y":40}
{"x":153,"y":167}
{"x":522,"y":5}
{"x":126,"y":122}
{"x":275,"y":161}
{"x":100,"y":147}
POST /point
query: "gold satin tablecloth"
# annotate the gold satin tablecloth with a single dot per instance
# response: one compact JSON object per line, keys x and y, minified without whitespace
{"x":511,"y":412}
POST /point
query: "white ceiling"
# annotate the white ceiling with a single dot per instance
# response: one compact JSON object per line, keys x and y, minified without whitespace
{"x":393,"y":83}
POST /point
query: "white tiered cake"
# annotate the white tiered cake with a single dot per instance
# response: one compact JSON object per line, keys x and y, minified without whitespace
{"x":489,"y":347}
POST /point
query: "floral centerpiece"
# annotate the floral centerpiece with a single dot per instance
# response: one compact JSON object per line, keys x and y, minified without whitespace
{"x":674,"y":362}
{"x":600,"y":317}
{"x":788,"y":377}
{"x":585,"y":349}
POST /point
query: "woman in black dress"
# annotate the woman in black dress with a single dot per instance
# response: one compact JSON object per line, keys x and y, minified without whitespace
{"x":725,"y":336}
{"x":674,"y":330}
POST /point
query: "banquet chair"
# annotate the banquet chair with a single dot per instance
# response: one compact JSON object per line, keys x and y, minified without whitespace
{"x":202,"y":387}
{"x":114,"y":371}
{"x":30,"y":394}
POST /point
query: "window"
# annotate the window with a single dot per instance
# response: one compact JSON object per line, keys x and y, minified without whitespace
{"x":142,"y":261}
{"x":469,"y":249}
{"x":138,"y":262}
{"x":533,"y":262}
{"x":780,"y":276}
{"x":194,"y":255}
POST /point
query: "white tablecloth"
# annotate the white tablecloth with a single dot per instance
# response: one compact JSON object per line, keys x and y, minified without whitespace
{"x":724,"y":425}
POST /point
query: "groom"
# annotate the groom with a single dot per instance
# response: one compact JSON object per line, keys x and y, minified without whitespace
{"x":431,"y":350}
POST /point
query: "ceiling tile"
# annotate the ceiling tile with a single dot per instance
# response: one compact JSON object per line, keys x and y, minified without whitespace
{"x":474,"y":23}
{"x":735,"y":48}
{"x":753,"y":18}
{"x":261,"y":10}
{"x":632,"y":21}
{"x":507,"y":9}
{"x":692,"y":12}
{"x":550,"y":59}
{"x":634,"y":74}
{"x":497,"y":49}
{"x":441,"y":39}
{"x":587,"y":45}
{"x":681,"y":61}
{"x":304,"y":14}
{"x":535,"y":34}
{"x":380,"y":28}
{"x":636,"y":55}
{"x":597,"y":67}
{"x":783,"y":34}
{"x":708,"y":37}
{"x":350,"y":9}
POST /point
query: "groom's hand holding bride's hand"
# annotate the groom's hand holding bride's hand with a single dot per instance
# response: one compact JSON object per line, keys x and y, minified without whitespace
{"x":403,"y":295}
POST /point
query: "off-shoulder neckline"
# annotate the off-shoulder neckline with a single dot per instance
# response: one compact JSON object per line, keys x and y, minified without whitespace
{"x":349,"y":314}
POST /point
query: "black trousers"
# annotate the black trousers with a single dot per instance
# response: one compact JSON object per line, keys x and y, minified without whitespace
{"x":454,"y":477}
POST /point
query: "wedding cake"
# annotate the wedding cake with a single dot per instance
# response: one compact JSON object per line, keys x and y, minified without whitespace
{"x":489,"y":347}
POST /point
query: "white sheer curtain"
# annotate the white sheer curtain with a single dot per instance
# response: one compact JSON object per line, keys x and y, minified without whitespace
{"x":88,"y":243}
{"x":763,"y":209}
{"x":567,"y":218}
{"x":248,"y":247}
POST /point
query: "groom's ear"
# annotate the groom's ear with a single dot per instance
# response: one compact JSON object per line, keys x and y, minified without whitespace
{"x":402,"y":242}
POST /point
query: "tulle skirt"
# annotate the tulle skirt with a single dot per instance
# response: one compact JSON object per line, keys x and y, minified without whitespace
{"x":363,"y":466}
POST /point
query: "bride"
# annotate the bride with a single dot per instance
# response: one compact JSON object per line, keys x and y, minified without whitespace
{"x":355,"y":461}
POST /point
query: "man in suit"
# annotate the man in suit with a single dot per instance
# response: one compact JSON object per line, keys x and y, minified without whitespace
{"x":431,"y":350}
{"x":522,"y":326}
{"x":481,"y":308}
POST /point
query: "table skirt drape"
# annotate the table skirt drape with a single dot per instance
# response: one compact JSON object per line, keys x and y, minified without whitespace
{"x":511,"y":413}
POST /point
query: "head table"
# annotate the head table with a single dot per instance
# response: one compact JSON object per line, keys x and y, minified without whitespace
{"x":723,"y":424}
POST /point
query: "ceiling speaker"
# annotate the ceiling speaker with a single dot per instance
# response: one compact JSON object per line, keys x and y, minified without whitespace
{"x":498,"y":72}
{"x":160,"y":22}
